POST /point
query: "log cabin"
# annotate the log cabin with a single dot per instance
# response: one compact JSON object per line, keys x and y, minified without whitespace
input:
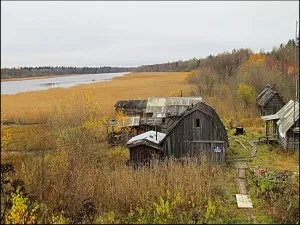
{"x":269,"y":101}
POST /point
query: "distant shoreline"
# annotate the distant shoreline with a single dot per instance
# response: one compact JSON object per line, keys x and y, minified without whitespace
{"x":45,"y":77}
{"x":35,"y":77}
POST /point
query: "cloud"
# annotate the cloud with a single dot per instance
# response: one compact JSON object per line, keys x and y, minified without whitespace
{"x":134,"y":33}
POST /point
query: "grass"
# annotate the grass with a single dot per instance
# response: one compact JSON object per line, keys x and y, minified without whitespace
{"x":97,"y":171}
{"x":275,"y":158}
{"x":29,"y":137}
{"x":37,"y":106}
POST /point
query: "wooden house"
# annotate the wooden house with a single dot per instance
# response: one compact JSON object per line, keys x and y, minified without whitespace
{"x":283,"y":126}
{"x":145,"y":147}
{"x":269,"y":101}
{"x":161,"y":112}
{"x":198,"y":131}
{"x":131,"y":107}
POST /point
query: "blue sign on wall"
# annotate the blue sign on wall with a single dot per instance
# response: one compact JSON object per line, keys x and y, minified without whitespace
{"x":217,"y":149}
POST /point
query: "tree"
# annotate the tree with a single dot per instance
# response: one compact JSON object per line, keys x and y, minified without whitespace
{"x":246,"y":93}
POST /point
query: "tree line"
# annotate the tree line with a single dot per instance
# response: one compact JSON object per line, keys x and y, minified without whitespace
{"x":58,"y":70}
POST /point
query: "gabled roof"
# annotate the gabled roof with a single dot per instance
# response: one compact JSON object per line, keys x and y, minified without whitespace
{"x":205,"y":109}
{"x":132,"y":104}
{"x":159,"y":105}
{"x":287,"y":120}
{"x":265,"y":96}
{"x":148,"y":138}
{"x":280,"y":113}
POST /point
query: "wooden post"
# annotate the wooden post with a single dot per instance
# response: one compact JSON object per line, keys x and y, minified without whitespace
{"x":267,"y":131}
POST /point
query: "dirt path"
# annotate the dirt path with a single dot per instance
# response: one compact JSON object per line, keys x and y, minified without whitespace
{"x":241,"y":178}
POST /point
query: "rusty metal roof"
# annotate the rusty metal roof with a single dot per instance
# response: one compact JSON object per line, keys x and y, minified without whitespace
{"x":132,"y":104}
{"x":287,"y":120}
{"x":176,"y":110}
{"x":159,"y":105}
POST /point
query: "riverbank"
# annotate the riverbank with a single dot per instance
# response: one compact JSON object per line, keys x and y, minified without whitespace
{"x":36,"y":106}
{"x":36,"y":77}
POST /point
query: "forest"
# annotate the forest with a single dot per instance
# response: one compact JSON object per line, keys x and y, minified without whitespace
{"x":57,"y":70}
{"x":276,"y":68}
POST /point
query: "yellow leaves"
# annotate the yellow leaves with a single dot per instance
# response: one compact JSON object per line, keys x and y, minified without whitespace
{"x":58,"y":219}
{"x":6,"y":136}
{"x":291,"y":69}
{"x":254,"y":60}
{"x":210,"y":210}
{"x":246,"y":93}
{"x":20,"y":213}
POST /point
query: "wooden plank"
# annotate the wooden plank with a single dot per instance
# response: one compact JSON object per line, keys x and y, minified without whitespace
{"x":205,"y":141}
{"x":244,"y":201}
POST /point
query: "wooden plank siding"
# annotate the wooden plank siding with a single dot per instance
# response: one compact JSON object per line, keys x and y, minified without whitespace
{"x":190,"y":138}
{"x":273,"y":105}
{"x":143,"y":154}
{"x":288,"y":141}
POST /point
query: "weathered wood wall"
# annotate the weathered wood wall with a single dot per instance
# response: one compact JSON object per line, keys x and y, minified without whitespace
{"x":273,"y":105}
{"x":186,"y":139}
{"x":143,"y":154}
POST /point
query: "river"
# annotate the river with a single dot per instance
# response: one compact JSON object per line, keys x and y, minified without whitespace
{"x":14,"y":87}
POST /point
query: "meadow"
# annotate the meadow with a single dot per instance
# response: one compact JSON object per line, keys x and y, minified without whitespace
{"x":88,"y":181}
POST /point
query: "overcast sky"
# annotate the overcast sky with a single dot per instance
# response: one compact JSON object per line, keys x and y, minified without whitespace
{"x":95,"y":33}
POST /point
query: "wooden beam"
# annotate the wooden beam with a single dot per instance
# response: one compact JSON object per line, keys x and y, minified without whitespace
{"x":205,"y":141}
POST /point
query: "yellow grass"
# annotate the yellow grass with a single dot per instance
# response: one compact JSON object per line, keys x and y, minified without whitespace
{"x":37,"y":106}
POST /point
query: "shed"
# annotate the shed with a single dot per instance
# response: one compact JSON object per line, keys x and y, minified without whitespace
{"x":269,"y":101}
{"x":285,"y":125}
{"x":131,"y":107}
{"x":145,"y":147}
{"x":288,"y":128}
{"x":198,"y":131}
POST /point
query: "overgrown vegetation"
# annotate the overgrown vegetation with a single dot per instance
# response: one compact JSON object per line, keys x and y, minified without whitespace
{"x":86,"y":181}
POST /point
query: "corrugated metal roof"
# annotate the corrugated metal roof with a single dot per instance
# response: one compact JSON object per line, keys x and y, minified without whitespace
{"x":149,"y":136}
{"x":131,"y":121}
{"x":159,"y":105}
{"x":281,"y":112}
{"x":176,"y":110}
{"x":287,"y":120}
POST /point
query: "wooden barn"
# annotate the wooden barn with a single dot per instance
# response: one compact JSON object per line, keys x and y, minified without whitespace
{"x":283,"y":126}
{"x":198,"y":131}
{"x":145,"y":147}
{"x":131,"y":107}
{"x":269,"y":101}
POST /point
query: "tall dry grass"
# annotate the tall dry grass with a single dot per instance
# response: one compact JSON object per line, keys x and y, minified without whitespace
{"x":83,"y":167}
{"x":37,"y":106}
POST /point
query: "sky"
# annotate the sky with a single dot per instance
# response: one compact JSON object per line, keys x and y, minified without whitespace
{"x":125,"y":34}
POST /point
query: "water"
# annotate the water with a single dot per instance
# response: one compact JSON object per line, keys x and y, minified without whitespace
{"x":14,"y":87}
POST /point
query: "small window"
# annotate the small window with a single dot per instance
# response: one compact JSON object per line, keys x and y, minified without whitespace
{"x":149,"y":114}
{"x":197,"y":123}
{"x":163,"y":121}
